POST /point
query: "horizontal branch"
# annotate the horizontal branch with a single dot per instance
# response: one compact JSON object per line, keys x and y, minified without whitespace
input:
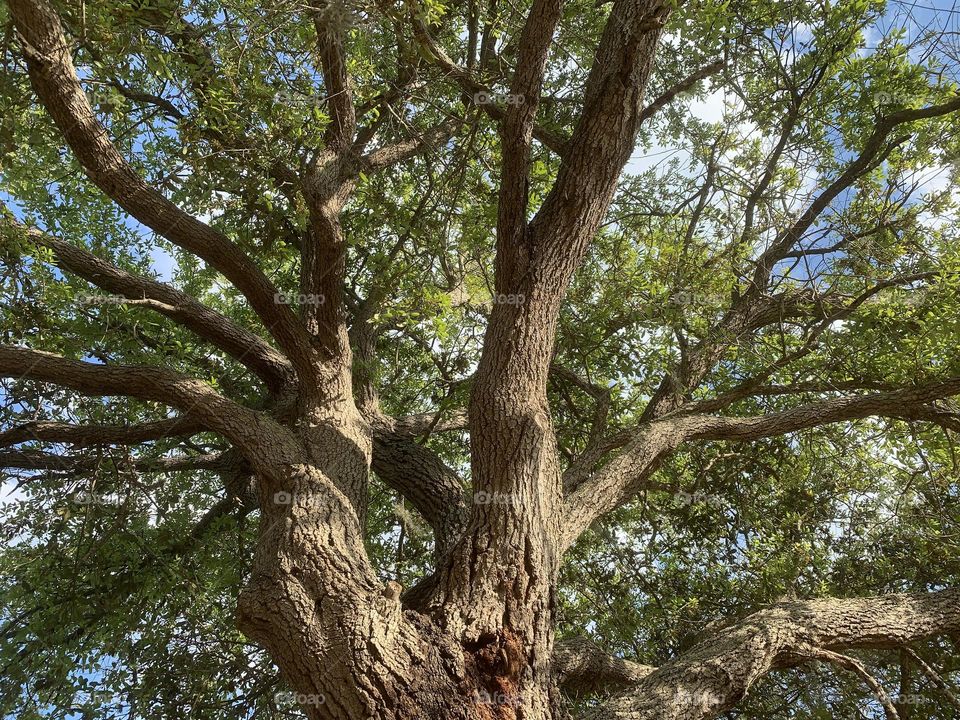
{"x":430,"y":422}
{"x":87,"y":435}
{"x":265,"y":443}
{"x":581,"y":668}
{"x":36,"y":460}
{"x":407,"y":148}
{"x":713,"y":676}
{"x":645,"y":448}
{"x":908,"y":403}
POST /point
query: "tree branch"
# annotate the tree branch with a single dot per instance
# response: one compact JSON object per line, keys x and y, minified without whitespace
{"x":646,"y":447}
{"x":682,"y":86}
{"x":713,"y":676}
{"x":583,"y":668}
{"x":267,"y":445}
{"x":849,"y":663}
{"x":36,"y":460}
{"x":475,"y":89}
{"x":55,"y":81}
{"x":434,"y":489}
{"x":87,"y":435}
{"x":244,"y":346}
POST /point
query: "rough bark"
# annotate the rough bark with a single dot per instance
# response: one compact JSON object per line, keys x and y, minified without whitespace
{"x":715,"y":674}
{"x":478,"y":642}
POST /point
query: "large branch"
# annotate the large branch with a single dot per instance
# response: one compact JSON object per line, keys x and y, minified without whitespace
{"x":336,"y":79}
{"x":516,"y":131}
{"x":645,"y":448}
{"x":481,"y":94}
{"x":88,"y":435}
{"x":55,"y":81}
{"x":244,"y":346}
{"x":582,"y":668}
{"x":433,"y":488}
{"x":908,"y":403}
{"x":36,"y":460}
{"x":713,"y":676}
{"x":512,"y":442}
{"x":265,"y":443}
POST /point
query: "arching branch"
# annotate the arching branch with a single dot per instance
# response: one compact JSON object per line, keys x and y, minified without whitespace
{"x":714,"y":675}
{"x":244,"y":346}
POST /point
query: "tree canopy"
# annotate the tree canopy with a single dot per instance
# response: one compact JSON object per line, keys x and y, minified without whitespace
{"x":720,"y":237}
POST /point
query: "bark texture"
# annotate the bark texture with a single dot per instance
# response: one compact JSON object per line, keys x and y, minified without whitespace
{"x":475,"y":640}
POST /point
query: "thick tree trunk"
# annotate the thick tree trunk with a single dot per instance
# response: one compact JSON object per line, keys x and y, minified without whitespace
{"x":348,"y":649}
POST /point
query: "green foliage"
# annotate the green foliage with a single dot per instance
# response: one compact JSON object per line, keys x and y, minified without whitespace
{"x":103,"y":614}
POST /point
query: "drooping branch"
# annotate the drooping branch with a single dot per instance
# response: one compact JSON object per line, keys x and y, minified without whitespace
{"x":714,"y":675}
{"x":54,"y":79}
{"x":933,"y":676}
{"x":434,"y":489}
{"x":849,"y":663}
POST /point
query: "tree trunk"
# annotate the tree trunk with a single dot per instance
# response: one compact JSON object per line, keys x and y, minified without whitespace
{"x":350,"y":650}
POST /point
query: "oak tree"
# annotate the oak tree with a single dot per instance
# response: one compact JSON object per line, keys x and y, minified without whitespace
{"x":536,"y":360}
